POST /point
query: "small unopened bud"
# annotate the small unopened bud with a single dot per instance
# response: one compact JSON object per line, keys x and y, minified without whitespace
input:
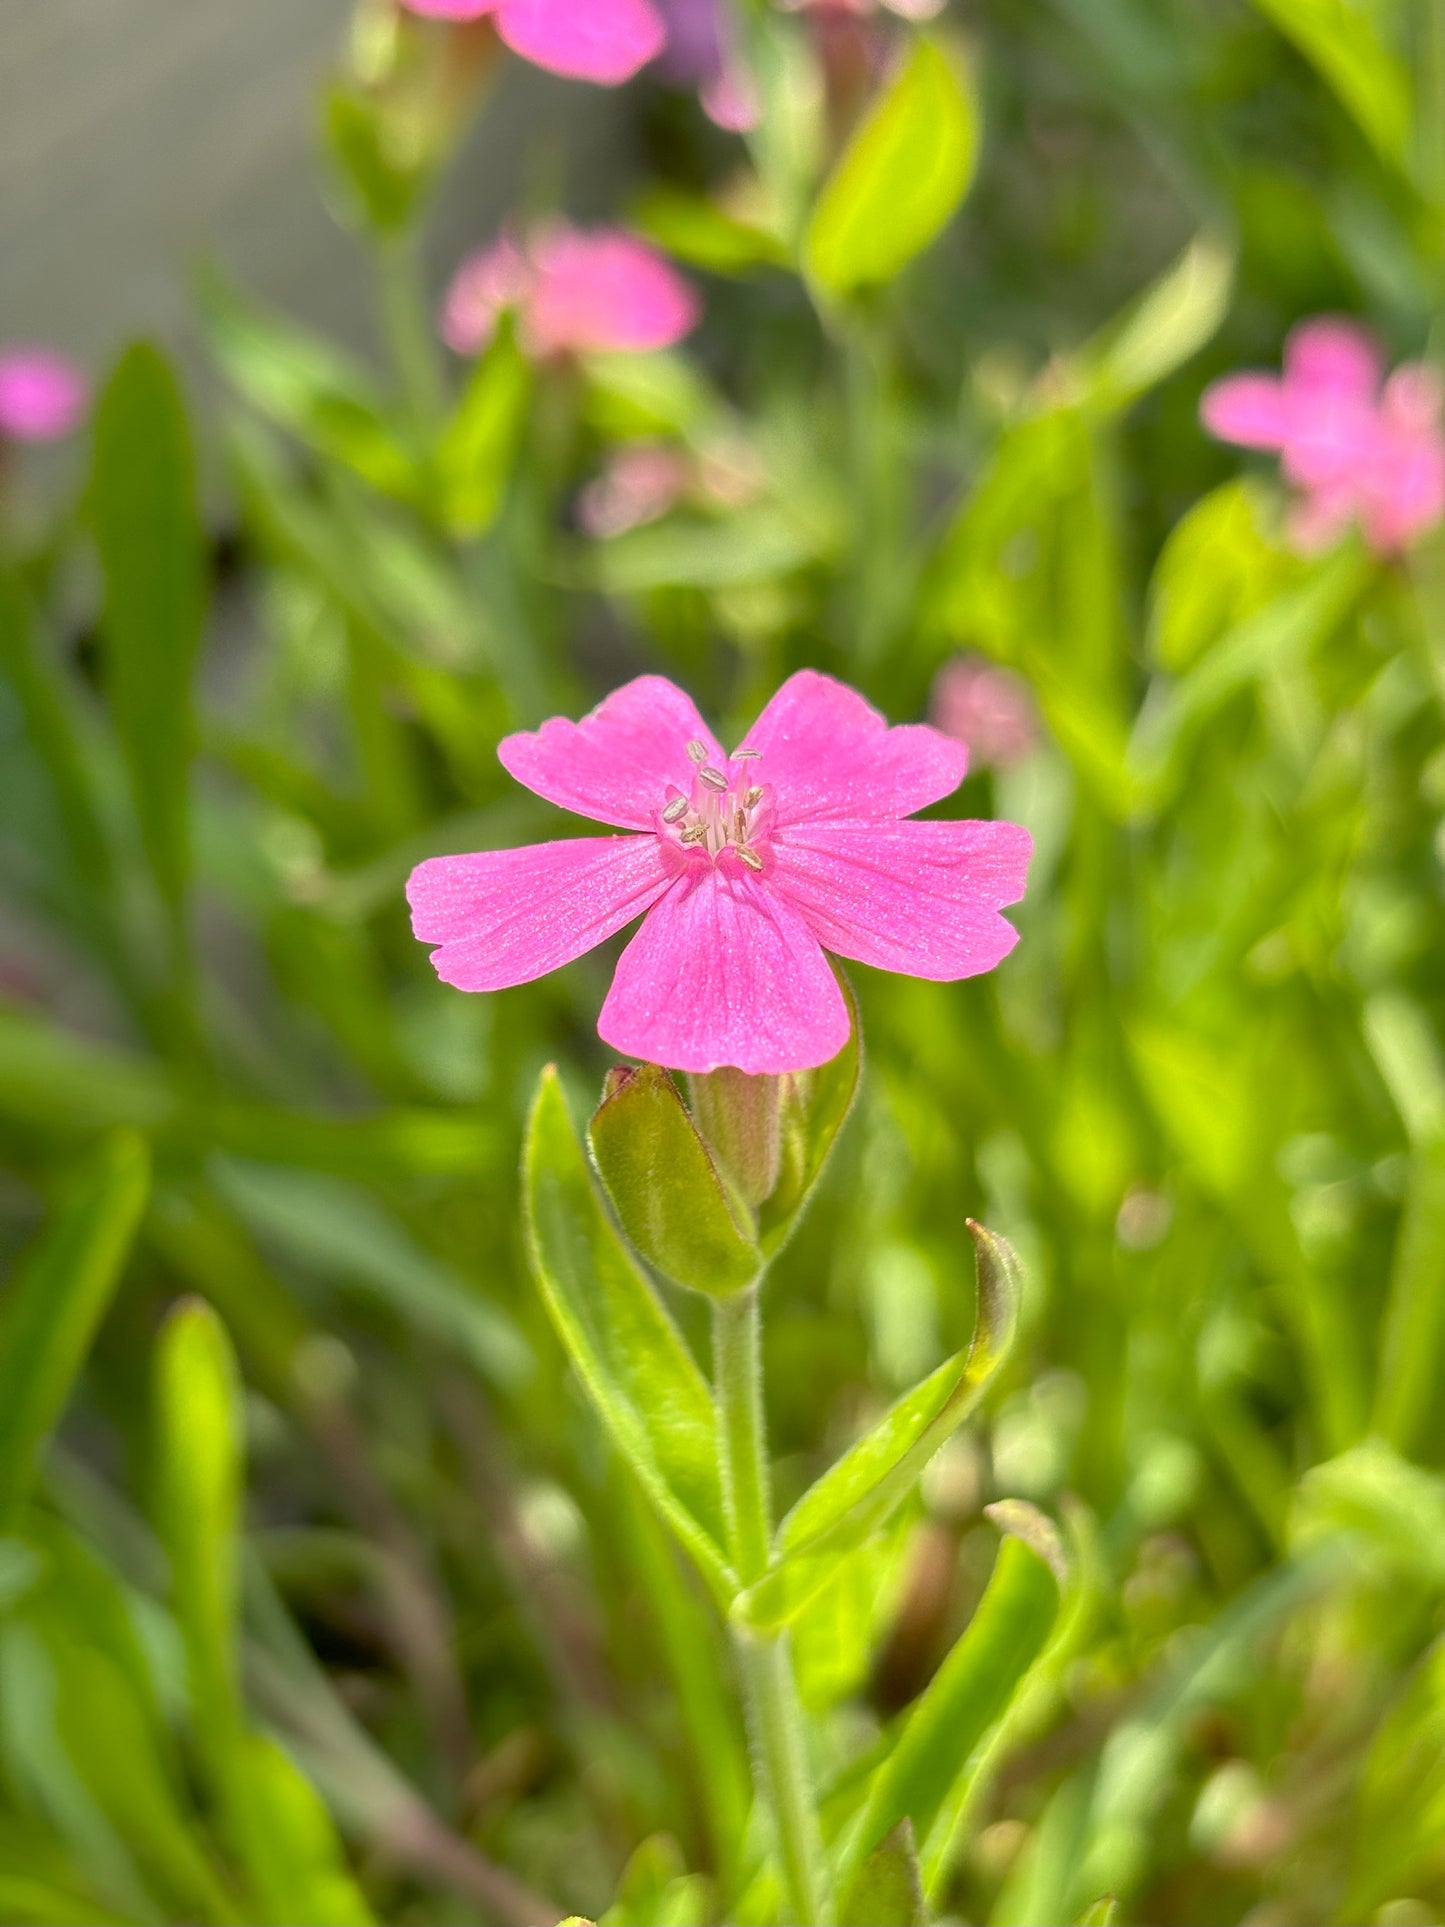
{"x":740,"y":1116}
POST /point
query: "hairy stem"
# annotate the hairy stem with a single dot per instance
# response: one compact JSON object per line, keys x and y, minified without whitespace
{"x":775,"y":1725}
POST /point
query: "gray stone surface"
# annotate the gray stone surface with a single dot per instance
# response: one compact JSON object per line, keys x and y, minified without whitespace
{"x":138,"y":136}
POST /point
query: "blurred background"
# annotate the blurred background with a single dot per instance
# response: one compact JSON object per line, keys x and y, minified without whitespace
{"x":322,"y":1597}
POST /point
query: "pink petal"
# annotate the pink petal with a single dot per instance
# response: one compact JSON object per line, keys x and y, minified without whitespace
{"x":920,"y":898}
{"x":604,"y":292}
{"x":602,"y":40}
{"x":1332,"y":357}
{"x":1321,"y":516}
{"x":1407,"y":495}
{"x":617,"y":763}
{"x":829,"y":754}
{"x":450,"y":9}
{"x":488,"y":281}
{"x":43,"y":395}
{"x":725,"y":971}
{"x":503,"y":917}
{"x":1248,"y":409}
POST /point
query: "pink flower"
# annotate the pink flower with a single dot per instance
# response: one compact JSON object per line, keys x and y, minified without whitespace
{"x":602,"y":40}
{"x":640,"y":483}
{"x":1356,"y":452}
{"x":745,"y":869}
{"x":577,"y":291}
{"x":42,"y":395}
{"x":987,"y":709}
{"x":701,"y":52}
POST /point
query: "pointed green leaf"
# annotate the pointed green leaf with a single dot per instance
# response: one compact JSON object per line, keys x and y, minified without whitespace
{"x":631,"y":1358}
{"x":152,"y":552}
{"x":1102,"y":1912}
{"x":297,"y":1866}
{"x":664,"y":1186}
{"x":966,"y":1696}
{"x":308,"y":386}
{"x":816,"y":1105}
{"x":903,"y":175}
{"x":887,"y":1890}
{"x":857,"y":1495}
{"x":479,"y":449}
{"x":1171,"y":322}
{"x":60,"y":1292}
{"x":200,"y":1445}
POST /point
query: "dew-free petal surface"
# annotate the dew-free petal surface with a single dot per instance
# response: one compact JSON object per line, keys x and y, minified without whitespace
{"x":603,"y":291}
{"x":920,"y":898}
{"x":725,"y":971}
{"x":503,"y":917}
{"x":606,"y":41}
{"x":1332,"y":356}
{"x":616,"y":764}
{"x":1249,"y":409}
{"x":829,"y":755}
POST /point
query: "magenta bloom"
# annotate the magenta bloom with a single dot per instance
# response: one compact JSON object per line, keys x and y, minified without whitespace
{"x":42,"y":395}
{"x":745,"y":868}
{"x":701,"y":53}
{"x":576,"y":291}
{"x":602,"y":40}
{"x":1355,"y":451}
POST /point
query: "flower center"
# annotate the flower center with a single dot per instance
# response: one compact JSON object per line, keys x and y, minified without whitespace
{"x":727,"y":809}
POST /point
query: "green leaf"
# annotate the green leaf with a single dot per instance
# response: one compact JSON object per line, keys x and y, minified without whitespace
{"x":815,"y":1107}
{"x":665,"y":1187}
{"x":756,"y":545}
{"x":902,"y":177}
{"x":1171,"y":322}
{"x":152,"y":553}
{"x":887,"y":1890}
{"x":479,"y":450}
{"x":697,"y":230}
{"x":1338,"y":37}
{"x":857,"y":1495}
{"x":1102,"y":1912}
{"x":62,"y":1287}
{"x":308,"y":386}
{"x":1394,"y":1508}
{"x":1216,"y":569}
{"x":657,"y":1891}
{"x":285,"y":1836}
{"x":382,"y":186}
{"x":967,"y":1695}
{"x":200,"y":1444}
{"x":639,"y":1374}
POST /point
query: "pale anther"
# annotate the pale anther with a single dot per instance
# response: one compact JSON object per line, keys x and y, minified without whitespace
{"x":697,"y":751}
{"x":713,"y":778}
{"x":753,"y":797}
{"x":745,"y":755}
{"x":675,"y":809}
{"x":694,"y":834}
{"x":750,"y":857}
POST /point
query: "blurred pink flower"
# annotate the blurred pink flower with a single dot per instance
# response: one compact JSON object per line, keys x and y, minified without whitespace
{"x":602,"y":40}
{"x":987,"y":709}
{"x":1356,"y":451}
{"x":577,"y":291}
{"x":746,"y":869}
{"x":640,"y":483}
{"x":43,"y":395}
{"x":702,"y":52}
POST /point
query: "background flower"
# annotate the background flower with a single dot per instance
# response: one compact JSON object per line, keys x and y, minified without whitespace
{"x":43,"y":395}
{"x":576,"y":290}
{"x":606,"y":41}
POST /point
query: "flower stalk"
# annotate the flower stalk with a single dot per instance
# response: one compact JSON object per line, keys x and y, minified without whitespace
{"x":775,"y":1724}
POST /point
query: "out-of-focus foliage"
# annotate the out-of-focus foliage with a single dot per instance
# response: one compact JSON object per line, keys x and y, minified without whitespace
{"x":370,"y":1620}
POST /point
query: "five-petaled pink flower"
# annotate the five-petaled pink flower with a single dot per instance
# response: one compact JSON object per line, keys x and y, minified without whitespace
{"x":990,"y":710}
{"x":602,"y":40}
{"x":575,"y":290}
{"x":745,"y":869}
{"x":1357,"y":451}
{"x":42,"y":395}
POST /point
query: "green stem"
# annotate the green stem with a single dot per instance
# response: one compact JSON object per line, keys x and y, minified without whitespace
{"x":775,"y":1721}
{"x":408,"y":327}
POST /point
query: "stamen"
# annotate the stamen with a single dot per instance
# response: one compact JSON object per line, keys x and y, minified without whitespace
{"x":697,"y":751}
{"x":745,"y":755}
{"x":675,"y":810}
{"x":713,"y":778}
{"x":750,"y":857}
{"x":694,"y":833}
{"x":753,"y":797}
{"x":740,"y":826}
